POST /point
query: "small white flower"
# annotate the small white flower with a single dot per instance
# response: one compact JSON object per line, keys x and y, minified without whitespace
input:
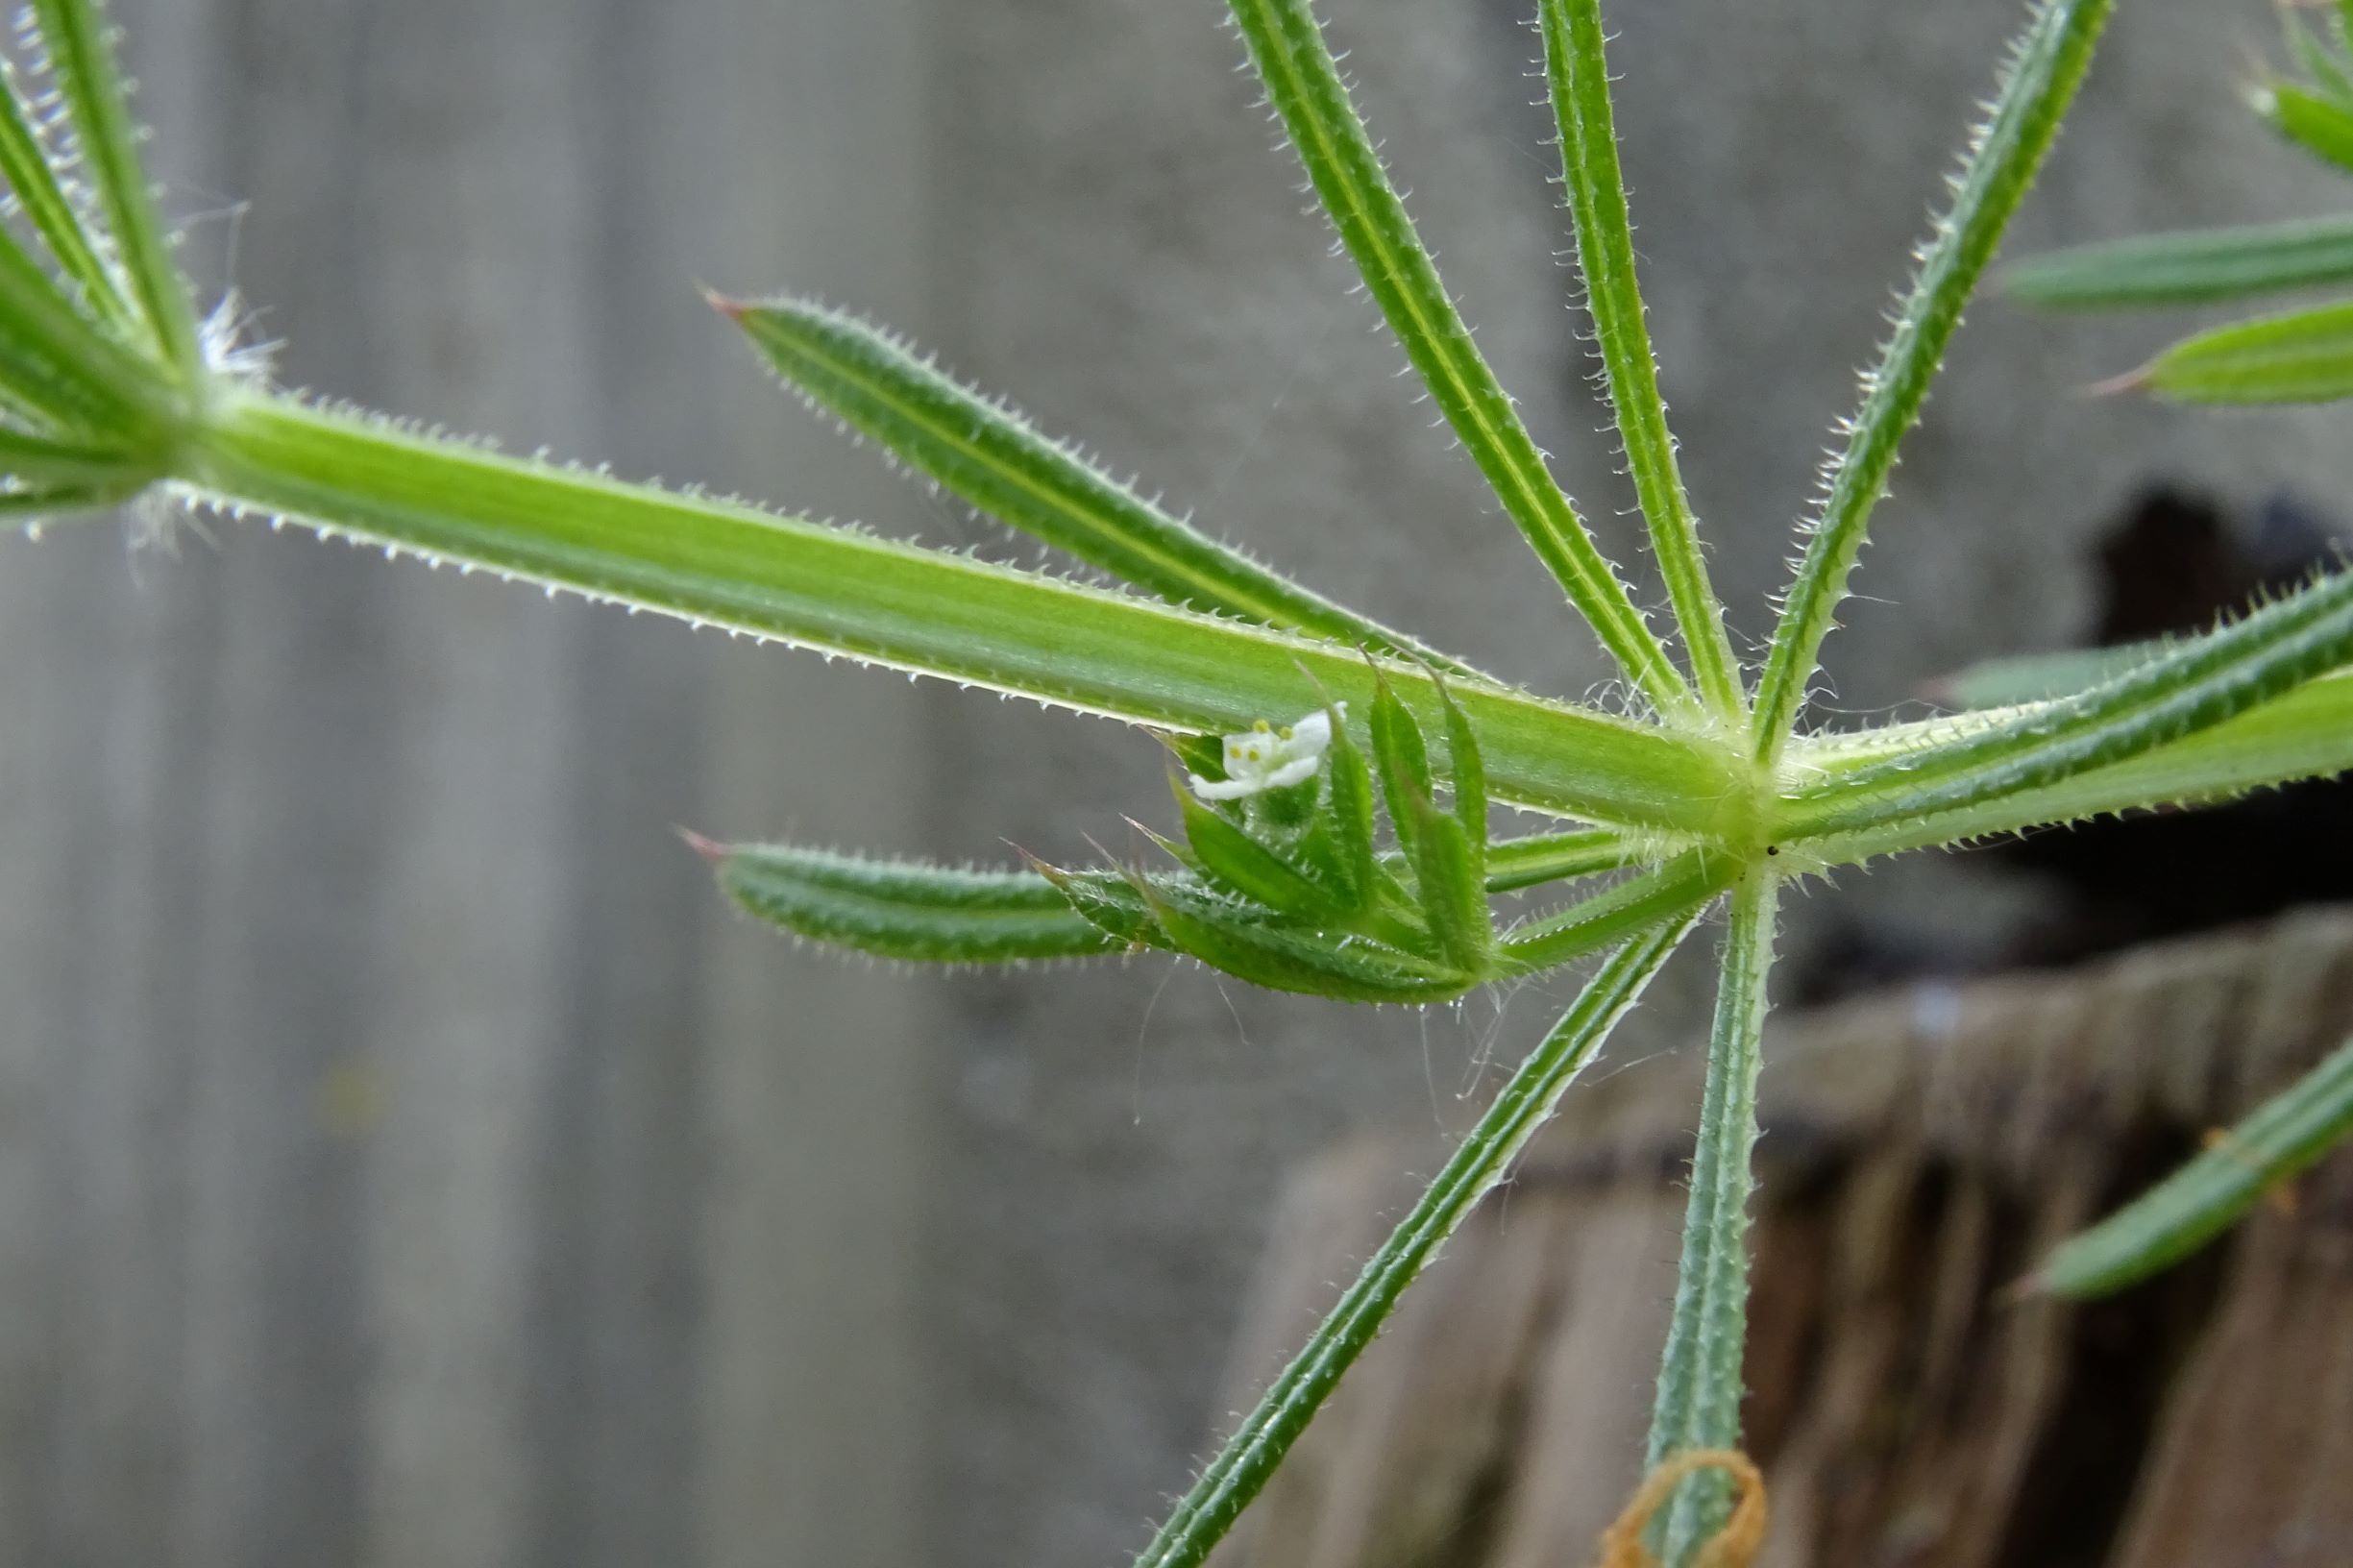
{"x":1264,"y":758}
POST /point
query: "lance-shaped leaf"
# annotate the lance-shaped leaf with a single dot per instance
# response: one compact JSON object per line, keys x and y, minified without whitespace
{"x":1638,"y":903}
{"x":2306,"y":734}
{"x":2198,"y":266}
{"x":1403,"y":761}
{"x":1579,"y":78}
{"x":1251,"y":944}
{"x":1450,"y":891}
{"x":1112,"y":902}
{"x":2037,"y":84}
{"x":1467,"y":779}
{"x":1230,"y":857}
{"x":1514,"y":863}
{"x":1338,"y":841}
{"x":2016,"y":679}
{"x":83,"y":67}
{"x":2199,"y":683}
{"x":1483,"y":1159}
{"x":60,"y":371}
{"x":2300,"y":356}
{"x":2198,"y":1202}
{"x":728,"y":565}
{"x":995,"y":461}
{"x":68,"y":462}
{"x":905,"y":909}
{"x":2319,"y":124}
{"x":25,"y":163}
{"x":1303,"y":82}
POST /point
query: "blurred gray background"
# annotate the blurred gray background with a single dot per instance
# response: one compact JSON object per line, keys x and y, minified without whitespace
{"x":406,"y":1159}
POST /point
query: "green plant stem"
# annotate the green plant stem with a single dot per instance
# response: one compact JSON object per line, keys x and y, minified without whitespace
{"x":1578,"y":76}
{"x":1304,"y":83}
{"x":84,"y":66}
{"x":2036,"y":87}
{"x":727,"y":565}
{"x":1700,"y":1385}
{"x":1483,"y":1160}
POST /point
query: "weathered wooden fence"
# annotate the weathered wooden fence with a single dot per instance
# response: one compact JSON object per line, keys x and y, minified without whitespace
{"x":1926,"y":1148}
{"x":403,"y":1158}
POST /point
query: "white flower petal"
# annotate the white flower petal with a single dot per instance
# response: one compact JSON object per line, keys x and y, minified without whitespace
{"x":1222,"y":789}
{"x":1297,"y":771}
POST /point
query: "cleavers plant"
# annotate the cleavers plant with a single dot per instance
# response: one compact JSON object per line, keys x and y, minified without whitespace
{"x":1297,"y":726}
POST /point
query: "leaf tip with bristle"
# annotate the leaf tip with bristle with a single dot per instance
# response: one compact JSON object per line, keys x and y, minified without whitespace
{"x":2117,"y":386}
{"x":712,"y":851}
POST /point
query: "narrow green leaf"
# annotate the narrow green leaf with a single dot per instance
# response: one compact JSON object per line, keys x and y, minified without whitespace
{"x":58,"y":368}
{"x":31,"y":508}
{"x":1404,"y":765}
{"x":905,"y":909}
{"x":1229,"y":856}
{"x":2196,"y":266}
{"x":1111,"y":902}
{"x":2318,"y":124}
{"x":64,"y":461}
{"x":1467,"y":779}
{"x":2194,"y":685}
{"x":1287,"y":48}
{"x":24,"y":162}
{"x":1344,"y":830}
{"x":2303,"y":357}
{"x":2041,"y":677}
{"x":2036,"y":87}
{"x":82,"y":66}
{"x":1351,"y":811}
{"x":1579,"y":76}
{"x":2323,"y":65}
{"x":1453,"y":896}
{"x":1514,"y":863}
{"x":1636,"y":904}
{"x":1700,"y":1385}
{"x":997,"y":462}
{"x":2306,"y":734}
{"x":2204,"y":1198}
{"x":1246,"y":943}
{"x":728,"y":565}
{"x":1479,"y":1163}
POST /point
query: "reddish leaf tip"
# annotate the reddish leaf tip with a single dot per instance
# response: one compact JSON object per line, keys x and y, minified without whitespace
{"x":711,"y":850}
{"x":2116,"y":386}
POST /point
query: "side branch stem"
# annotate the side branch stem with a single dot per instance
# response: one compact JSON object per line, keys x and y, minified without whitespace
{"x":1700,"y":1383}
